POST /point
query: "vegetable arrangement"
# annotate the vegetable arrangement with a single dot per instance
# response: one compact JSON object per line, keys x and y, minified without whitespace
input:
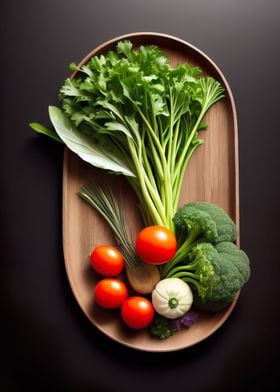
{"x":129,"y":112}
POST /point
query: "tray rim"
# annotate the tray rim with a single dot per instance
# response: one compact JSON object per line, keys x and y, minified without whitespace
{"x":74,"y":289}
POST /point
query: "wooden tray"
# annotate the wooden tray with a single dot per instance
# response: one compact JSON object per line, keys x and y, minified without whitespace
{"x":212,"y":175}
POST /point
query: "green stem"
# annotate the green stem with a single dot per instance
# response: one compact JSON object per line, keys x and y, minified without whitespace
{"x":170,"y":133}
{"x":176,"y":259}
{"x":146,"y":196}
{"x":179,"y":178}
{"x":181,"y":253}
{"x":167,"y":185}
{"x":183,"y":274}
{"x":175,"y":147}
{"x":181,"y":268}
{"x":194,"y":282}
{"x":155,"y":196}
{"x":148,"y":165}
{"x":153,"y":134}
{"x":188,"y":143}
{"x":212,"y":95}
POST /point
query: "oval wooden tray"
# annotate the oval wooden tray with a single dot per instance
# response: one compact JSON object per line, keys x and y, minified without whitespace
{"x":212,"y":175}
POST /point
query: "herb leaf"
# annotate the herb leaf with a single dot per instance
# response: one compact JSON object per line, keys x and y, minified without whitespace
{"x":45,"y":131}
{"x":83,"y":145}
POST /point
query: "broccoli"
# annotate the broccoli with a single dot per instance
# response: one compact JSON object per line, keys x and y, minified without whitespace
{"x":233,"y":268}
{"x":207,"y":257}
{"x":197,"y":269}
{"x":236,"y":256}
{"x":215,"y":272}
{"x":203,"y":221}
{"x":198,"y":222}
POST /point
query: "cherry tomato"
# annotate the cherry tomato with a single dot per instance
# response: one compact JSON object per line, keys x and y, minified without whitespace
{"x":137,"y":312}
{"x":156,"y":245}
{"x":110,"y":293}
{"x":107,"y":260}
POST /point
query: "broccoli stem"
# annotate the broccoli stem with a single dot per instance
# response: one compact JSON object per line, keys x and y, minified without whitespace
{"x":185,"y":267}
{"x":200,"y":289}
{"x":181,"y":254}
{"x":184,"y":274}
{"x":186,"y":270}
{"x":194,"y":279}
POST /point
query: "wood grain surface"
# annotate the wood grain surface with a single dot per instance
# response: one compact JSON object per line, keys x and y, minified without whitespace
{"x":212,"y":175}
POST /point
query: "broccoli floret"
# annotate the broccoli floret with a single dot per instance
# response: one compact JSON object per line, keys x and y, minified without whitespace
{"x":237,"y":257}
{"x":231,"y":269}
{"x":205,"y":222}
{"x":215,"y":272}
{"x":198,"y":222}
{"x":192,"y":223}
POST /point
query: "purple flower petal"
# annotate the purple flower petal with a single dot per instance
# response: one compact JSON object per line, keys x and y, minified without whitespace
{"x":175,"y":325}
{"x":184,"y":322}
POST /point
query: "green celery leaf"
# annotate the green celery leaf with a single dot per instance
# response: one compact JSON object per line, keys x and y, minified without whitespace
{"x":86,"y":70}
{"x":116,"y":126}
{"x":108,"y":106}
{"x":124,"y":47}
{"x":45,"y":131}
{"x":83,"y":145}
{"x":132,"y":123}
{"x":69,"y":89}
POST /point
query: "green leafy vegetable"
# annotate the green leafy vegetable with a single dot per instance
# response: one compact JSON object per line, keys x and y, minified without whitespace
{"x":83,"y":146}
{"x":45,"y":131}
{"x":161,"y":328}
{"x":128,"y":111}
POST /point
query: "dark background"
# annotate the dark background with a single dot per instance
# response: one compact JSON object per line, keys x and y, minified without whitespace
{"x":46,"y":341}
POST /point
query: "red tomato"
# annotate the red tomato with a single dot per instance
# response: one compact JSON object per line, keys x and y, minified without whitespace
{"x":110,"y":293}
{"x":137,"y":312}
{"x":107,"y":260}
{"x":156,"y":245}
